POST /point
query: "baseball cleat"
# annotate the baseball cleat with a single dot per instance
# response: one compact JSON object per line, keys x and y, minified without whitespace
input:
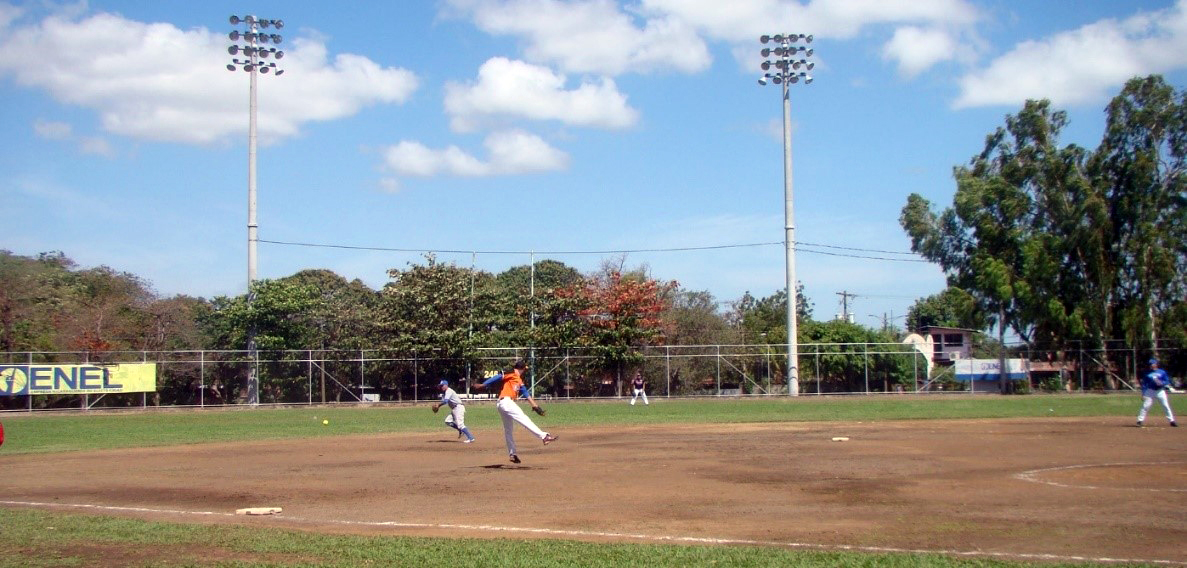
{"x":514,"y":458}
{"x":470,"y":441}
{"x":1139,"y":423}
{"x":1174,"y":424}
{"x":549,"y":438}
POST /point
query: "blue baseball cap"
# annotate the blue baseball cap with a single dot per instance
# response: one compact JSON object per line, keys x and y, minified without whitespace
{"x":443,"y":383}
{"x":1153,"y":361}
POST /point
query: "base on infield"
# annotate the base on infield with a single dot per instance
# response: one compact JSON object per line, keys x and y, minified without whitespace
{"x":258,"y":511}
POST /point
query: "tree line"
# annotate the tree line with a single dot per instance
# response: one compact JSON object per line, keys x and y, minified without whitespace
{"x":439,"y":312}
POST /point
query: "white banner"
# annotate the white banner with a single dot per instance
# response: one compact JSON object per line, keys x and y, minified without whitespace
{"x":988,"y":369}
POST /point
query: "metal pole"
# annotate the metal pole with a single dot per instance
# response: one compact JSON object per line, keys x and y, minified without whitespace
{"x":784,"y":71}
{"x":252,"y":226}
{"x":253,"y":53}
{"x":793,"y":373}
{"x":253,"y":377}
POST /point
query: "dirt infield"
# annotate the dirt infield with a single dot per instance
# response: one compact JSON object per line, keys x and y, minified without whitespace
{"x":1057,"y":489}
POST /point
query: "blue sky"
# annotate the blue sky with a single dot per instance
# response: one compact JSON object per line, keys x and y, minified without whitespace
{"x":502,"y":127}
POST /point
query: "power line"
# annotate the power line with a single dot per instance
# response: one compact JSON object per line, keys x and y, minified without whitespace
{"x":618,"y":251}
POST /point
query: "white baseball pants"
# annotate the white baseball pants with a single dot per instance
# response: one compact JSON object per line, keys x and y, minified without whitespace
{"x":638,"y":393}
{"x":1148,"y":397}
{"x":456,"y":417}
{"x":511,"y":414}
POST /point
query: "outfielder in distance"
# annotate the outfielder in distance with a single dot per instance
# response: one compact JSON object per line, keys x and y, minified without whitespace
{"x":510,"y":411}
{"x":1155,"y":384}
{"x":639,"y":386}
{"x":457,"y":410}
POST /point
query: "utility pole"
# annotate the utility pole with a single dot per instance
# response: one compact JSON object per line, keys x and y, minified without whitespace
{"x":845,"y":314}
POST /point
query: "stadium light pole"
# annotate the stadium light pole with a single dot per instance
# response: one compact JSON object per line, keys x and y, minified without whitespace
{"x":254,"y":61}
{"x":785,"y":70}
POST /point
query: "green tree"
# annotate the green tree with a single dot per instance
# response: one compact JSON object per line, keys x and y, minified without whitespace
{"x":951,"y":308}
{"x":1062,"y":245}
{"x":343,"y":316}
{"x":765,"y":319}
{"x":437,"y":313}
{"x":536,"y":307}
{"x":172,"y":324}
{"x":275,"y":314}
{"x":1141,"y":167}
{"x":848,"y":357}
{"x":693,"y":319}
{"x":276,"y":311}
{"x":33,"y":297}
{"x":1005,"y":239}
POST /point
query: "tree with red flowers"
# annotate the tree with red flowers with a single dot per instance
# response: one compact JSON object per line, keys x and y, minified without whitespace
{"x":624,"y":313}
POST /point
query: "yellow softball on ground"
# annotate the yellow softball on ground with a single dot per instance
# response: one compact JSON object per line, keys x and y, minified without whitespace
{"x":325,"y":422}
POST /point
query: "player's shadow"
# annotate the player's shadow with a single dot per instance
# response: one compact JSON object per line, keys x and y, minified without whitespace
{"x":507,"y":466}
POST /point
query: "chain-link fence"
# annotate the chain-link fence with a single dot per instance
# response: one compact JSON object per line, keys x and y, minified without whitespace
{"x":214,"y":378}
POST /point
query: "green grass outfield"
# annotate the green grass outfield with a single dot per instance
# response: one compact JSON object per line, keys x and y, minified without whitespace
{"x":40,"y":538}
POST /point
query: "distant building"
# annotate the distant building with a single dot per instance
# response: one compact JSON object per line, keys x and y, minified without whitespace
{"x":949,"y":343}
{"x":942,"y":345}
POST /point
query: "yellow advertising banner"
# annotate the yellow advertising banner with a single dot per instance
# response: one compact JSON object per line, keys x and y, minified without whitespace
{"x":20,"y":380}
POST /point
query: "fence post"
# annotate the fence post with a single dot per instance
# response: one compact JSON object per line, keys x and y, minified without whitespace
{"x":718,"y":360}
{"x":29,"y":396}
{"x":866,"y":364}
{"x":668,"y":370}
{"x":819,"y":386}
{"x":1080,"y":354}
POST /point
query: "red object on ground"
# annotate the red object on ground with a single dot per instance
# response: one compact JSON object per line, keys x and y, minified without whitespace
{"x":1,"y":433}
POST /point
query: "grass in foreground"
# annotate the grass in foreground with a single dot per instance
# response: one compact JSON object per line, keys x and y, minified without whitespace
{"x":78,"y":431}
{"x":45,"y":539}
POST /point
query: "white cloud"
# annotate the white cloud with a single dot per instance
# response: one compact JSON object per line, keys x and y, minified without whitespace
{"x":9,"y":14}
{"x":38,"y":194}
{"x":591,"y":36}
{"x":917,"y":49}
{"x":154,"y":81}
{"x":1082,"y":65}
{"x":834,"y":19}
{"x":54,"y":130}
{"x":610,"y":38}
{"x":509,"y":152}
{"x":96,"y":145}
{"x":514,"y":89}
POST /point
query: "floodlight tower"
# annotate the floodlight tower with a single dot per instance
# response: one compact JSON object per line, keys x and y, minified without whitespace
{"x":785,"y":70}
{"x":253,"y":62}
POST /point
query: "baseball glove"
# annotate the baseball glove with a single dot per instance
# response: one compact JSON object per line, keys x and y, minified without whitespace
{"x":436,"y":407}
{"x":539,"y":410}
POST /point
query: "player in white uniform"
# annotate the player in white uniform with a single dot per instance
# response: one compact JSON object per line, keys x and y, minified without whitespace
{"x":639,"y":387}
{"x":457,"y":410}
{"x":1155,"y":384}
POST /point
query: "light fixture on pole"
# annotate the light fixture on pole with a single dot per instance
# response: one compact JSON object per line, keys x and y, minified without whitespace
{"x":785,"y":70}
{"x":253,"y":37}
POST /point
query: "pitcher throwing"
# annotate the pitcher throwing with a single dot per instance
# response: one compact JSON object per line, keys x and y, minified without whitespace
{"x":510,"y":411}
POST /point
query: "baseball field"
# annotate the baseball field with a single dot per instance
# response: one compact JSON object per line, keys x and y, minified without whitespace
{"x":872,"y":481}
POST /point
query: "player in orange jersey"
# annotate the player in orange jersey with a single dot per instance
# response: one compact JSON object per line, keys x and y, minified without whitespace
{"x":510,"y":411}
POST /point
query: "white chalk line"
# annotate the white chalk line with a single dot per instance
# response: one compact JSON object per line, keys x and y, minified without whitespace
{"x":1032,"y":476}
{"x":612,"y":535}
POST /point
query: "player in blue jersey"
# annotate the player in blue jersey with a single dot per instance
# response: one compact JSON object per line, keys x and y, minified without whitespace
{"x":1155,"y":385}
